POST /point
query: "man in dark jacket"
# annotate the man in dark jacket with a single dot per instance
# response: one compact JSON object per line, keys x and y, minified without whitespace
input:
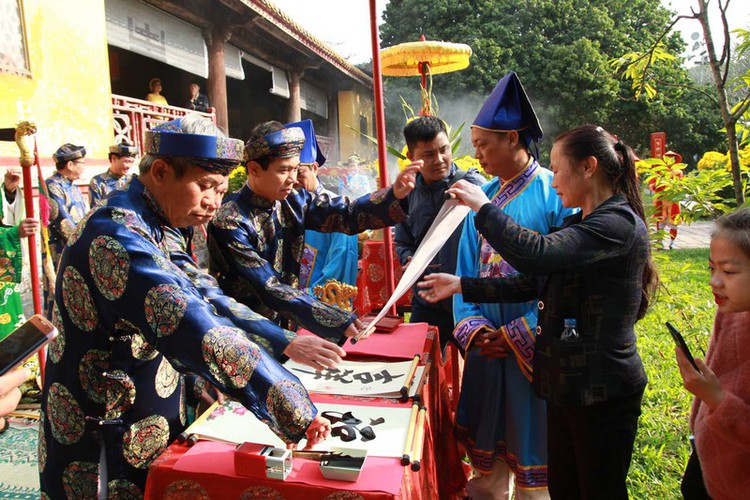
{"x":428,"y":144}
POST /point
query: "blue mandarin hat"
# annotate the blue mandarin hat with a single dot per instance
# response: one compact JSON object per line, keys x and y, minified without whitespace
{"x":283,"y":143}
{"x":508,"y":108}
{"x":68,"y":152}
{"x":310,"y":151}
{"x":124,"y":149}
{"x":219,"y":155}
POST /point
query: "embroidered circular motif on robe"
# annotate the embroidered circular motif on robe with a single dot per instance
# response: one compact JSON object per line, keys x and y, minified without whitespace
{"x":228,"y":217}
{"x":166,"y":379}
{"x":165,"y":264}
{"x":378,"y":196}
{"x":56,"y":348}
{"x":261,"y":493}
{"x":109,"y":263}
{"x":333,"y":223}
{"x":42,"y":444}
{"x":64,"y":415}
{"x":230,"y":356}
{"x":78,"y":301}
{"x":145,"y":439}
{"x":130,"y":220}
{"x":139,"y":346}
{"x":370,"y":221}
{"x":90,"y":369}
{"x":67,"y":227}
{"x":165,"y":306}
{"x":185,"y":490}
{"x":275,"y":289}
{"x":54,"y":209}
{"x":120,"y":394}
{"x":243,"y":312}
{"x":298,"y":248}
{"x":328,"y":315}
{"x":264,"y":343}
{"x":78,"y":231}
{"x":245,"y":256}
{"x":122,"y":489}
{"x":290,"y":407}
{"x":81,"y":480}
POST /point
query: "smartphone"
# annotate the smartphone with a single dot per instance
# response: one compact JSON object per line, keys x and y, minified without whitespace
{"x":24,"y":341}
{"x":677,"y":336}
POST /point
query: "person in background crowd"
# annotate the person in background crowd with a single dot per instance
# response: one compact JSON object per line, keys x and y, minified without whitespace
{"x":327,"y":256}
{"x":257,"y":239}
{"x":499,"y":419}
{"x":356,"y":184}
{"x":429,"y":148}
{"x":596,"y":280}
{"x":720,"y":418}
{"x":129,"y":315}
{"x":155,"y":95}
{"x":667,"y":213}
{"x":13,"y":228}
{"x":121,"y":158}
{"x":196,"y":100}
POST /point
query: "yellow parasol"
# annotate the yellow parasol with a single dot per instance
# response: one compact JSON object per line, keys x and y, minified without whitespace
{"x":424,"y":58}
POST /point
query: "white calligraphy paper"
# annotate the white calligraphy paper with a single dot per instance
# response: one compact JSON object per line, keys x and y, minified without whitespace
{"x":233,"y":423}
{"x":449,"y":217}
{"x":355,"y":378}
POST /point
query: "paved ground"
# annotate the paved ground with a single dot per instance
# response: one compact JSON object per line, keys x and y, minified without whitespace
{"x":695,"y":235}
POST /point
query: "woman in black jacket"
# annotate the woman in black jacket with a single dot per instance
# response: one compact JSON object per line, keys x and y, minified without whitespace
{"x":596,"y":270}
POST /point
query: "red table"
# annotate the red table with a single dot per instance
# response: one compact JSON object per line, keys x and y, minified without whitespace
{"x":208,"y":471}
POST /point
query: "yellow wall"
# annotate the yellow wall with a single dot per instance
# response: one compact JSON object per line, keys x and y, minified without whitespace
{"x":68,"y":94}
{"x":352,"y":105}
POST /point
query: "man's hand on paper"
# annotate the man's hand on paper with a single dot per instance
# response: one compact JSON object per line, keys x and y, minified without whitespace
{"x":314,"y":352}
{"x":319,"y":431}
{"x":469,"y":194}
{"x":406,"y":180}
{"x":438,"y":286}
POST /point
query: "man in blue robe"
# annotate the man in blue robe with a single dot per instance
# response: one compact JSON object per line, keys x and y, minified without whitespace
{"x":121,"y":158}
{"x":66,"y":204}
{"x":429,"y":147}
{"x":257,"y":239}
{"x":131,"y":311}
{"x":499,"y":419}
{"x":327,"y":256}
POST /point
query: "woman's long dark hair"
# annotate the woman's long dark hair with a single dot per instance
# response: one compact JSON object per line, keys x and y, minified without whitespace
{"x":618,"y":162}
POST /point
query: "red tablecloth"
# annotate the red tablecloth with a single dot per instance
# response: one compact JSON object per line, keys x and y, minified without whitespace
{"x":208,"y":472}
{"x":371,"y":291}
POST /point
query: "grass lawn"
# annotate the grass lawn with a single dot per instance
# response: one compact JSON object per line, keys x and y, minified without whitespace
{"x":684,"y":299}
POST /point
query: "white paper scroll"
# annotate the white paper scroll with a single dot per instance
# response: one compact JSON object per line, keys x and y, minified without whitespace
{"x":357,"y":378}
{"x":232,"y":423}
{"x":449,"y":217}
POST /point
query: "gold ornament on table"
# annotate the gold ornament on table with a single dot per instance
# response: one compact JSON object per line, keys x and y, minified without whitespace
{"x":337,"y":294}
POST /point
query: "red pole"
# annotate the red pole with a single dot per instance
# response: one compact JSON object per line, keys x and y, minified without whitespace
{"x":28,"y":198}
{"x":377,"y":78}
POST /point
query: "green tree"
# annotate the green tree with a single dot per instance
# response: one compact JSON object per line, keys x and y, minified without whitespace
{"x":561,"y":50}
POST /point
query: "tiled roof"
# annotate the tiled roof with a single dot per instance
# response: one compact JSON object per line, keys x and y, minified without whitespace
{"x":269,"y":11}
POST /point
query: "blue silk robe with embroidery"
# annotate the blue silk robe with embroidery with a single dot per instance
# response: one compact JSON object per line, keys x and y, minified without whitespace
{"x":499,"y":417}
{"x":328,"y":256}
{"x":66,"y":209}
{"x":103,"y":184}
{"x":130,"y":308}
{"x":256,"y":248}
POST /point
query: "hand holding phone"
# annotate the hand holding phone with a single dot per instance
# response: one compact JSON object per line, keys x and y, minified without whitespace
{"x":677,"y":336}
{"x":24,"y":341}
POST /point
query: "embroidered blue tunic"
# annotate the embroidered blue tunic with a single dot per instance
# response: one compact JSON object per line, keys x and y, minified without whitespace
{"x":131,"y":309}
{"x":103,"y":184}
{"x":328,"y":256}
{"x":499,"y":417}
{"x":256,"y":247}
{"x":67,"y":208}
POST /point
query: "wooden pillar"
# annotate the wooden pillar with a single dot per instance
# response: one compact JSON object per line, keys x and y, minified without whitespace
{"x":215,"y":38}
{"x":294,"y":106}
{"x":333,"y":124}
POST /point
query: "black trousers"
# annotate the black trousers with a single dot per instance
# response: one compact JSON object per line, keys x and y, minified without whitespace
{"x":590,"y":448}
